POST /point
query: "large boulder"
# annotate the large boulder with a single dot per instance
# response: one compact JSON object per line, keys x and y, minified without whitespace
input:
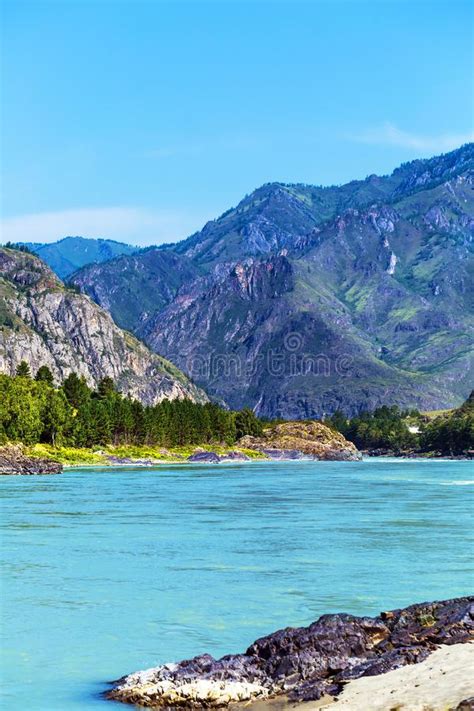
{"x":14,"y":461}
{"x":204,"y":458}
{"x":307,"y":439}
{"x":304,"y":663}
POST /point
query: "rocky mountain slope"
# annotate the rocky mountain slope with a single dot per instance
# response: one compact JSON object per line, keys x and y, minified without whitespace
{"x":69,"y":254}
{"x":312,"y":299}
{"x":45,"y":323}
{"x":134,"y":288}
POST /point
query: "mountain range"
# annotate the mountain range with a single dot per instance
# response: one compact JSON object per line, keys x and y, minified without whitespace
{"x":70,"y":253}
{"x":43,"y":322}
{"x":305,"y":299}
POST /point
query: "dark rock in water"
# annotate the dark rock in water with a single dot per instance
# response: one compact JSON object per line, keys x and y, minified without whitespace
{"x":204,"y":457}
{"x":305,"y":663}
{"x":14,"y":461}
{"x":125,"y":461}
{"x":234,"y":456}
{"x":213,"y":458}
{"x":342,"y":455}
{"x":282,"y":454}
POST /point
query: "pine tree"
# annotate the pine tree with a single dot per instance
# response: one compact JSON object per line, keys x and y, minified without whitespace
{"x":246,"y":423}
{"x":76,"y":390}
{"x":44,"y":375}
{"x":338,"y":421}
{"x":105,"y":388}
{"x":100,"y":430}
{"x":23,"y":370}
{"x":55,"y":415}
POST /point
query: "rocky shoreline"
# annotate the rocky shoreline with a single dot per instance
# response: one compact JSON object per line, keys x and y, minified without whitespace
{"x":14,"y":462}
{"x":414,"y":454}
{"x":305,"y":663}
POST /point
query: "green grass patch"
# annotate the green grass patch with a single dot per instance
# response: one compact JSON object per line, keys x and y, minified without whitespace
{"x":69,"y":456}
{"x":77,"y":456}
{"x":431,"y":414}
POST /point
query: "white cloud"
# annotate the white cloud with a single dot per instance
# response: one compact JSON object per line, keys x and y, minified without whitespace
{"x":135,"y":225}
{"x":390,"y":135}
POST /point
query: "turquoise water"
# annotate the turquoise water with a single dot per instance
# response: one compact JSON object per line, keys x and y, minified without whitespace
{"x":109,"y":571}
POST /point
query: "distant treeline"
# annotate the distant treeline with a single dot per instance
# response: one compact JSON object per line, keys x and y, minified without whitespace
{"x":32,"y":410}
{"x":389,"y":428}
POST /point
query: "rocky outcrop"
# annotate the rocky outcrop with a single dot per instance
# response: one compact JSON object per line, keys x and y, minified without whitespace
{"x":13,"y":461}
{"x":235,"y":456}
{"x":299,"y":440}
{"x":132,"y":289}
{"x":307,"y":662}
{"x":204,"y":458}
{"x":44,"y":323}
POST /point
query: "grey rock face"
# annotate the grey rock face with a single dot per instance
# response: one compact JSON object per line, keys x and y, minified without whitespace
{"x":45,"y":323}
{"x":132,"y":290}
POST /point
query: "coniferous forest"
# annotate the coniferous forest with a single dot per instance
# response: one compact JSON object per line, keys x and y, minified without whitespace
{"x":396,"y":430}
{"x":33,"y":410}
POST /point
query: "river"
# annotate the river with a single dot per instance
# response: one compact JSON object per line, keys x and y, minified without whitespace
{"x":106,"y":571}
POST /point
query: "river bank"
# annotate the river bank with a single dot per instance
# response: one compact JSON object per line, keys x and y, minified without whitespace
{"x":285,"y":441}
{"x":415,"y":454}
{"x":47,"y":459}
{"x":309,"y":663}
{"x":130,"y":455}
{"x":440,"y":683}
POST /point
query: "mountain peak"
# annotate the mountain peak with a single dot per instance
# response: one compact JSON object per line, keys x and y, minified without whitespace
{"x":73,"y":252}
{"x":429,"y":172}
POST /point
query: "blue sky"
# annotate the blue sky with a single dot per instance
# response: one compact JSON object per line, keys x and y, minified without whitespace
{"x":141,"y":120}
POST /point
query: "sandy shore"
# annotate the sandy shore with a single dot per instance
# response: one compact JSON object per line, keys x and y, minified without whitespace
{"x":439,"y":683}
